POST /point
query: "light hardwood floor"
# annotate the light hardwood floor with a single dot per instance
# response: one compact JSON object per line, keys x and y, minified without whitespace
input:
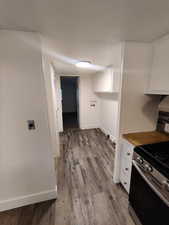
{"x":86,"y":193}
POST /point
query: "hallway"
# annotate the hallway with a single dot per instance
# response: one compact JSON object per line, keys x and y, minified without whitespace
{"x":86,"y":193}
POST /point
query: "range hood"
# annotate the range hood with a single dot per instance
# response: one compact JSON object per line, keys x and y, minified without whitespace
{"x":164,"y":105}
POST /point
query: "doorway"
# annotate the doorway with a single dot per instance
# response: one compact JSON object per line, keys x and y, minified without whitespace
{"x":70,"y":102}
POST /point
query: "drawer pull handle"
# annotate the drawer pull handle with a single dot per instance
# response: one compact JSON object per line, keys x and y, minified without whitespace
{"x":128,"y":153}
{"x":126,"y":169}
{"x":125,"y":183}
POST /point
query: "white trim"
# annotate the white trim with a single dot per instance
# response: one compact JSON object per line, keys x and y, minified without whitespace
{"x":48,"y":77}
{"x":85,"y":127}
{"x":28,"y":199}
{"x":59,"y":102}
{"x":156,"y":92}
{"x":80,"y":104}
{"x":116,"y":175}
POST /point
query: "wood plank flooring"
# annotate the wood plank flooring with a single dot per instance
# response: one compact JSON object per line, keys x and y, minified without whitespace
{"x":86,"y":193}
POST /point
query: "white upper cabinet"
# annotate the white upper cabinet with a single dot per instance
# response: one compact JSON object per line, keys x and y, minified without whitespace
{"x":159,"y":76}
{"x":106,"y":81}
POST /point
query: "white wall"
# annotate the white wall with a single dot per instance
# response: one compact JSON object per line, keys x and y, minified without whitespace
{"x":26,"y":163}
{"x":89,"y":116}
{"x":109,"y":114}
{"x":110,"y":103}
{"x":138,"y":111}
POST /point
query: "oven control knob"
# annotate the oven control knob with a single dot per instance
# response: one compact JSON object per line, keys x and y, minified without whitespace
{"x":166,"y":185}
{"x":140,"y":160}
{"x":148,"y":168}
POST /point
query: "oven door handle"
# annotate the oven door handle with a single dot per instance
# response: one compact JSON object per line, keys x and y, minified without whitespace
{"x":152,"y":186}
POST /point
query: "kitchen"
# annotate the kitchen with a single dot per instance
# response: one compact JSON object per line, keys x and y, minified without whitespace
{"x":113,"y":168}
{"x":144,"y":144}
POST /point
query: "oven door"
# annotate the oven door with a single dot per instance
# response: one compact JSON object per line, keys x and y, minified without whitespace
{"x":147,"y":205}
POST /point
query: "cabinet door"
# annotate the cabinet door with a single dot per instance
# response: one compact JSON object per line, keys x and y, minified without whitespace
{"x":126,"y":164}
{"x":159,"y":78}
{"x":103,"y":81}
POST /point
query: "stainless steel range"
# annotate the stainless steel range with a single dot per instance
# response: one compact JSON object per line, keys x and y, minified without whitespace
{"x":149,"y":191}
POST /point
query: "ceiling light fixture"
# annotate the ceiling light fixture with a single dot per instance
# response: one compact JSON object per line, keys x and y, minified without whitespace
{"x":83,"y":64}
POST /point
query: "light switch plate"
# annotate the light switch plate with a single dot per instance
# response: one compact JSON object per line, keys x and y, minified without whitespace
{"x":166,"y":128}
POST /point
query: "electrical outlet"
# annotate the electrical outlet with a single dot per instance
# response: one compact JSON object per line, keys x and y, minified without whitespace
{"x":166,"y":128}
{"x":31,"y":124}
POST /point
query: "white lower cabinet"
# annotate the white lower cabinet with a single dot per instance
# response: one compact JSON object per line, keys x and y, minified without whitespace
{"x":126,"y":164}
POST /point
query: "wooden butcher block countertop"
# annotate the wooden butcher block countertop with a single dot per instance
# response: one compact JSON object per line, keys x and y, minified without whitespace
{"x":146,"y":137}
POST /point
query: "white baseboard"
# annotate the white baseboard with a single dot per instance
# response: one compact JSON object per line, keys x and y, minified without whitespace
{"x":28,"y":200}
{"x":106,"y":132}
{"x":85,"y":127}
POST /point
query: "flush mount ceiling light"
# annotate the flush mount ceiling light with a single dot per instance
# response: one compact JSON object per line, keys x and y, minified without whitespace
{"x":84,"y":64}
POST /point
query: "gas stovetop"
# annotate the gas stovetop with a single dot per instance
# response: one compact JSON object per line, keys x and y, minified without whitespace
{"x":157,"y":155}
